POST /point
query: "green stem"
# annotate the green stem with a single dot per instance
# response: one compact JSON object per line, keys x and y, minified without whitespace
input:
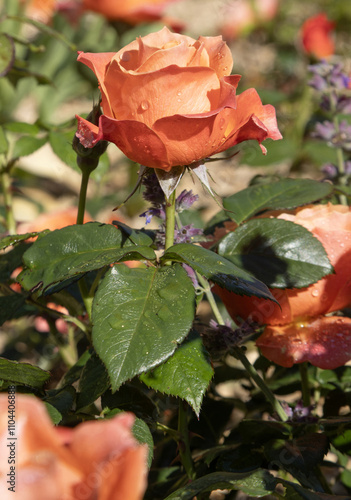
{"x":306,"y":398}
{"x":239,"y":354}
{"x":183,"y":443}
{"x":8,"y":201}
{"x":83,"y":196}
{"x":83,"y":288}
{"x":170,"y":220}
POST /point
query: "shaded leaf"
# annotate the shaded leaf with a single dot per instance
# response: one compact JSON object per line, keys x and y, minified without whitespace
{"x":130,"y":398}
{"x":10,"y":261}
{"x":139,"y":316}
{"x":23,"y":373}
{"x":75,"y":250}
{"x":75,"y":371}
{"x":280,"y":253}
{"x":93,"y":382}
{"x":14,"y":306}
{"x":282,"y":194}
{"x":62,"y":399}
{"x":258,"y":483}
{"x":186,"y":374}
{"x":217,"y":269}
{"x":27,"y":145}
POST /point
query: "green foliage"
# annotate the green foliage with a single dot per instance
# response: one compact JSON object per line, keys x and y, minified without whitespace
{"x":278,"y":252}
{"x":283,"y":194}
{"x":75,"y":250}
{"x":186,"y":374}
{"x":139,"y":317}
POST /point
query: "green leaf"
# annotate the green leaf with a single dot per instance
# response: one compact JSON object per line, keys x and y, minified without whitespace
{"x":75,"y":371}
{"x":139,"y":316}
{"x":62,"y":399}
{"x":259,"y":483}
{"x":140,"y":431}
{"x":299,"y":457}
{"x":296,"y":492}
{"x":283,"y":194}
{"x":94,"y":381}
{"x":280,"y":253}
{"x":12,"y":239}
{"x":185,"y":375}
{"x":10,"y":261}
{"x":130,"y":397}
{"x":4,"y":145}
{"x":13,"y":306}
{"x":217,"y":269}
{"x":7,"y":54}
{"x":23,"y":373}
{"x":27,"y":145}
{"x":142,"y":434}
{"x":54,"y":414}
{"x":137,"y":236}
{"x":75,"y":250}
{"x":22,"y":128}
{"x":61,"y":143}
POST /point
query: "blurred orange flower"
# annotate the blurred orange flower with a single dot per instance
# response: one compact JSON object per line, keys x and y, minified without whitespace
{"x":316,"y":36}
{"x":300,"y":313}
{"x":40,"y":10}
{"x":169,"y":100}
{"x":97,"y":460}
{"x":241,"y":16}
{"x":130,"y":11}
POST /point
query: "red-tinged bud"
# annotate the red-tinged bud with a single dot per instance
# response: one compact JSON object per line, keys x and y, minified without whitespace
{"x":88,"y":158}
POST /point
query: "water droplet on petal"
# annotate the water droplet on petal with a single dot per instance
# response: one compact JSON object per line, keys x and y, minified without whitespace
{"x":315,"y":293}
{"x":144,"y":105}
{"x":125,"y":56}
{"x":179,"y":93}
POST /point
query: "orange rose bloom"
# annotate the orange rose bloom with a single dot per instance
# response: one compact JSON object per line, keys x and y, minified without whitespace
{"x":300,"y":308}
{"x":131,"y":11}
{"x":98,"y":460}
{"x":316,"y":39}
{"x":169,"y":100}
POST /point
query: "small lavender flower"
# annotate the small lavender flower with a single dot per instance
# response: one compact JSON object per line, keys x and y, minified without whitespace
{"x":220,"y":339}
{"x":153,"y":192}
{"x":335,"y":138}
{"x":300,"y":413}
{"x":187,"y":234}
{"x":330,"y":171}
{"x":185,"y":200}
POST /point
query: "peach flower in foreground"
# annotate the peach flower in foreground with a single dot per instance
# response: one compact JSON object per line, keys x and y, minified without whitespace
{"x":297,"y":330}
{"x":241,"y":16}
{"x":170,"y":100}
{"x":97,"y":460}
{"x":316,"y":36}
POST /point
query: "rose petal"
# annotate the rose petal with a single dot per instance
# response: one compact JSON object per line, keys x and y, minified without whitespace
{"x":325,"y":342}
{"x":251,"y":120}
{"x":219,"y":53}
{"x":165,"y":92}
{"x":137,"y":141}
{"x":98,"y":63}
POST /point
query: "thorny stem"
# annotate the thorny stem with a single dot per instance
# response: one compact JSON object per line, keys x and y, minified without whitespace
{"x":306,"y":398}
{"x":239,"y":354}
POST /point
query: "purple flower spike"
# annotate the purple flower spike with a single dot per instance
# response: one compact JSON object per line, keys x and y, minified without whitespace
{"x":185,"y":200}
